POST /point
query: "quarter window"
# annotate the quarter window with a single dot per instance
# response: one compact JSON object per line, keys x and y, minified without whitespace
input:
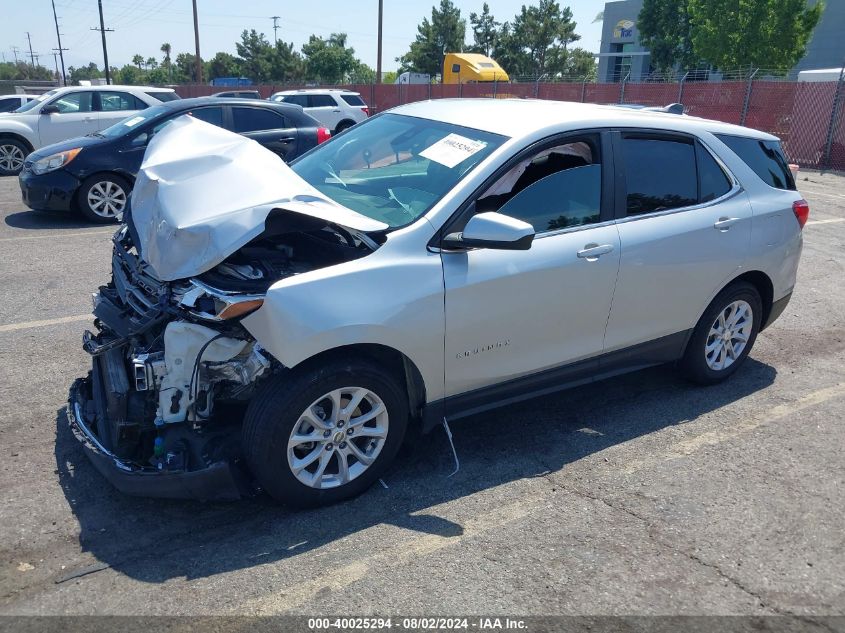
{"x":764,"y":157}
{"x":255,"y":120}
{"x":660,"y":174}
{"x":557,"y":188}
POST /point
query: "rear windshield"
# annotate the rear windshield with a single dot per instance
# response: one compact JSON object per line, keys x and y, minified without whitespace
{"x":764,"y":157}
{"x":164,"y":97}
{"x":353,"y":100}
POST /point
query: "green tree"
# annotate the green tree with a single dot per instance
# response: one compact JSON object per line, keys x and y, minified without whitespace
{"x":152,"y":63}
{"x":185,"y":70}
{"x":91,"y":71}
{"x":760,"y":33}
{"x":224,"y":65}
{"x":664,"y":27}
{"x":138,"y":60}
{"x":485,"y":30}
{"x":330,"y":60}
{"x":362,"y":74}
{"x":22,"y":70}
{"x":389,"y":77}
{"x":579,"y":63}
{"x":166,"y":48}
{"x":130,"y":75}
{"x":535,"y":44}
{"x":444,"y":33}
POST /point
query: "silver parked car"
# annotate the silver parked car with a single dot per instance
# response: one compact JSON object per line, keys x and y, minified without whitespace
{"x":290,"y":325}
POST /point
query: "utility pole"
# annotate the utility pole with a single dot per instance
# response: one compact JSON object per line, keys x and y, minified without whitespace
{"x":15,"y":50}
{"x":275,"y":19}
{"x":56,"y":61}
{"x":197,"y":42}
{"x":60,"y":49}
{"x":103,"y":31}
{"x":378,"y":53}
{"x":31,"y":54}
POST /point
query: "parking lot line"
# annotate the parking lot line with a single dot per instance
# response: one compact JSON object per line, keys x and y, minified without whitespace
{"x":11,"y":327}
{"x":55,"y":235}
{"x":831,"y":221}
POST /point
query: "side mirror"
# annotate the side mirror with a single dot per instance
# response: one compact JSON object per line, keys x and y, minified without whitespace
{"x":50,"y":109}
{"x":492,"y":230}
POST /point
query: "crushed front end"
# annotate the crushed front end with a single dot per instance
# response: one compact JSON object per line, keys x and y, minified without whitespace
{"x":159,"y":414}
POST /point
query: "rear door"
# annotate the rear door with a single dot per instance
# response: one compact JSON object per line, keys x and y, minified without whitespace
{"x":268,"y":127}
{"x":114,"y":106}
{"x":76,"y":117}
{"x":325,"y":109}
{"x":684,"y":225}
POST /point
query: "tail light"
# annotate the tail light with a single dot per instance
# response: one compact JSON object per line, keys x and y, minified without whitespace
{"x":323,"y":134}
{"x":802,"y":211}
{"x":366,"y":111}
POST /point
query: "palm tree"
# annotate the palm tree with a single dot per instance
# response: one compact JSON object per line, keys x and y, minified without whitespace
{"x":166,"y":49}
{"x":152,"y":63}
{"x":138,"y":61}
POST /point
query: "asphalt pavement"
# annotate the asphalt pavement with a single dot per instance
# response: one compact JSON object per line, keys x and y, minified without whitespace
{"x":638,"y":495}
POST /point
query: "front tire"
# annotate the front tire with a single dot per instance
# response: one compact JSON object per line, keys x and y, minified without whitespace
{"x":12,"y":155}
{"x":103,"y":198}
{"x":320,"y":435}
{"x":724,"y":335}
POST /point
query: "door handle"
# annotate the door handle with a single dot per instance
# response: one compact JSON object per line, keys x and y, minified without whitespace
{"x":723,"y":224}
{"x":89,"y":118}
{"x":591,"y":252}
{"x":335,"y":110}
{"x":286,"y":139}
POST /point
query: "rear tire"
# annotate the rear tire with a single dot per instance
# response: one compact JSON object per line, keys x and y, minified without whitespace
{"x":103,"y":198}
{"x":302,"y":442}
{"x":343,"y":125}
{"x":724,"y":336}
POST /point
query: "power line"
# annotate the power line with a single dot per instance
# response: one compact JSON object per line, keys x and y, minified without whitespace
{"x":275,"y":19}
{"x":60,"y":49}
{"x":103,"y":31}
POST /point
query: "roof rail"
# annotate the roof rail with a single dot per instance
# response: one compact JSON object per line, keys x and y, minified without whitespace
{"x":672,"y":108}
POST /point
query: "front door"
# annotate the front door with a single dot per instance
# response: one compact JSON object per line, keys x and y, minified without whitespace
{"x":514,"y":313}
{"x":76,"y":117}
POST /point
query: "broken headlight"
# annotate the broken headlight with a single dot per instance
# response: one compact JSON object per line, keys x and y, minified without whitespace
{"x":212,"y":304}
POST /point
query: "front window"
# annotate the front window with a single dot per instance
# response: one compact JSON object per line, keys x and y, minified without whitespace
{"x":394,"y":168}
{"x":36,"y":102}
{"x":74,"y":102}
{"x":133,"y":122}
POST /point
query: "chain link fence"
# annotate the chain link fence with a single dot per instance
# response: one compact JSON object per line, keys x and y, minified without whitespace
{"x":809,"y":117}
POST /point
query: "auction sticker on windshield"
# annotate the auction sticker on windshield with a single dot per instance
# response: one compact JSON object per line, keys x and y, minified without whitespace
{"x":133,"y":121}
{"x":452,"y":149}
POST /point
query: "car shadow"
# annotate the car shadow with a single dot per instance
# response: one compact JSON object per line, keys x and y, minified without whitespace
{"x":37,"y":220}
{"x":157,"y":540}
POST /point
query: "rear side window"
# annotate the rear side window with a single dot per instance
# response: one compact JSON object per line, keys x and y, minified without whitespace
{"x":300,"y":100}
{"x":660,"y":174}
{"x":713,"y":182}
{"x":321,"y":101}
{"x":7,"y":105}
{"x":209,"y":115}
{"x":256,"y":119}
{"x":764,"y":157}
{"x":164,"y":97}
{"x":116,"y":101}
{"x":353,"y":100}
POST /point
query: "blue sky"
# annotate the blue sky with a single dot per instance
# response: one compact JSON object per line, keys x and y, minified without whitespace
{"x":141,"y":26}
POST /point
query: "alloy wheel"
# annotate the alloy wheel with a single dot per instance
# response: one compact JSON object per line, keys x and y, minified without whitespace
{"x":337,"y":437}
{"x":729,"y":335}
{"x":11,"y":157}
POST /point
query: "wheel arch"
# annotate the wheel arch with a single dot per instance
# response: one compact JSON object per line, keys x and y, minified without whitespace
{"x":763,"y":283}
{"x":389,"y":357}
{"x":343,"y":124}
{"x":18,"y":137}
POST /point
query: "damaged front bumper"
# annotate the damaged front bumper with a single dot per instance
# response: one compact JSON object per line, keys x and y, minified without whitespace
{"x":220,"y":480}
{"x":159,"y":414}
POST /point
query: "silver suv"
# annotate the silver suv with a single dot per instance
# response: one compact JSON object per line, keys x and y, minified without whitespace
{"x":290,"y":326}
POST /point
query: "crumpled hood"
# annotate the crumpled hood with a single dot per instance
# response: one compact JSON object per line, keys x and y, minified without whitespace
{"x":203,"y":192}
